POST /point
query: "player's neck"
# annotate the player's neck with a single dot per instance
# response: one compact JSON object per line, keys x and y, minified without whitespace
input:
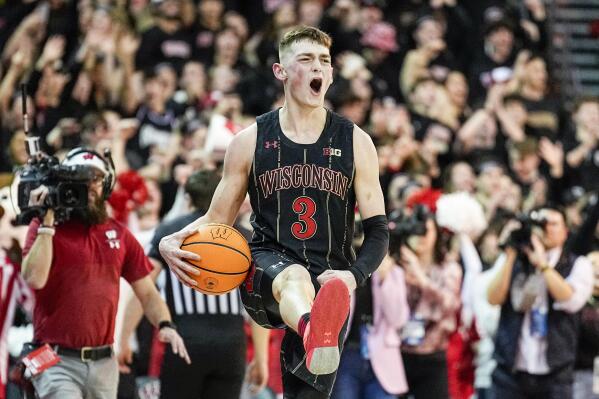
{"x":297,"y":120}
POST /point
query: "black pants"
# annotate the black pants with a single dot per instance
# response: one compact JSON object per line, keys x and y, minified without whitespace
{"x":427,"y":375}
{"x":214,"y":372}
{"x":520,"y":385}
{"x":294,"y":388}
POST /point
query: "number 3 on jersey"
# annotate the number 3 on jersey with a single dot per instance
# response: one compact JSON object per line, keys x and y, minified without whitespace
{"x":305,"y":228}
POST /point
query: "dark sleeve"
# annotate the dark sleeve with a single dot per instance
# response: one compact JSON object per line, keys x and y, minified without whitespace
{"x":556,"y":187}
{"x":74,"y":70}
{"x":459,"y":38}
{"x":148,"y":52}
{"x":136,"y":264}
{"x":374,"y":248}
{"x":579,"y":242}
{"x":541,"y":44}
{"x":34,"y":82}
{"x":589,"y":327}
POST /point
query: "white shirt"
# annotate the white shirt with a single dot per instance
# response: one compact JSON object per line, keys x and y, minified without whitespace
{"x":532,"y":351}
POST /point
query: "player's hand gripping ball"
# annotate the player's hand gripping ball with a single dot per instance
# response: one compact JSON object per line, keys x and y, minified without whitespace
{"x":225,"y":258}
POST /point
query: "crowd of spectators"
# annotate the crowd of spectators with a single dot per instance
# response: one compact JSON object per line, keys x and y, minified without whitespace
{"x":456,"y":95}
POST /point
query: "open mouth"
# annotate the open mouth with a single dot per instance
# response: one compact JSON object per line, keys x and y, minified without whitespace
{"x":316,"y":85}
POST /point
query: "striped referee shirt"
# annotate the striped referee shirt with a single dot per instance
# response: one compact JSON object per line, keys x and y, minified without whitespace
{"x":184,"y":301}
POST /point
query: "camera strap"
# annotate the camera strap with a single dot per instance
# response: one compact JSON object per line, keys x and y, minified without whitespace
{"x":525,"y":290}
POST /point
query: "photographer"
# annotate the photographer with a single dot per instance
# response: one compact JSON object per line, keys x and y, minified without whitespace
{"x":548,"y":285}
{"x":74,"y":268}
{"x":433,"y":281}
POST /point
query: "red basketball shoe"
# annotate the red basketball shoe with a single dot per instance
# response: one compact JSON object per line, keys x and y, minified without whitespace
{"x":321,"y":339}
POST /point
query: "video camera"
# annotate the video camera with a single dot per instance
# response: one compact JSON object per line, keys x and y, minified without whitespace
{"x":521,"y":237}
{"x":67,"y":187}
{"x":67,"y":184}
{"x":402,"y":226}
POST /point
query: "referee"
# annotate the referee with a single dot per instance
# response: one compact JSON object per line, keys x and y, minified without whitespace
{"x":211,"y":325}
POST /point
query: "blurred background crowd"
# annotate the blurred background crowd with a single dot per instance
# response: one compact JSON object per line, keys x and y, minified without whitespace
{"x":471,"y":127}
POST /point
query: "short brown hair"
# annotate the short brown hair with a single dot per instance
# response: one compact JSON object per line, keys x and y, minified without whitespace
{"x":584,"y":100}
{"x":201,"y":186}
{"x":304,"y":32}
{"x":529,"y":146}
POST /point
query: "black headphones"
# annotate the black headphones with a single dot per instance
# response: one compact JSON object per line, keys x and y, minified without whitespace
{"x":110,"y":179}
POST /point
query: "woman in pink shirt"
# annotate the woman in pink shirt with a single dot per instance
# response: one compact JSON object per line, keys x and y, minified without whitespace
{"x":433,"y":280}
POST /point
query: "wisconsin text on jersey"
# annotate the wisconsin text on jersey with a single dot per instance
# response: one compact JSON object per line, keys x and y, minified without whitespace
{"x":303,"y":175}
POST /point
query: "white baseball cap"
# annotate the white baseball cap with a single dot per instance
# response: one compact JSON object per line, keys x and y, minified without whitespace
{"x":84,"y":157}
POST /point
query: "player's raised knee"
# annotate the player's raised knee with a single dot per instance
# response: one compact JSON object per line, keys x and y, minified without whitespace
{"x":297,"y":273}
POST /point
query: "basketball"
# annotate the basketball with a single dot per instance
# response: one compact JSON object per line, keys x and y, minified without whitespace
{"x":225,"y":258}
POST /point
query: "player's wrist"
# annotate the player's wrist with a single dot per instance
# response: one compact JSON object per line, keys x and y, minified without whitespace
{"x":166,"y":324}
{"x":359,"y":278}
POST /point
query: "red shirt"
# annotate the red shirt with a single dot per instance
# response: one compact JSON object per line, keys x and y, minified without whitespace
{"x":77,"y":306}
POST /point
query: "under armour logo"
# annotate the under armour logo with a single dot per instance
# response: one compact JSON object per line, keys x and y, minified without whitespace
{"x":271,"y":144}
{"x":88,"y":156}
{"x":328,"y":151}
{"x":220,"y":232}
{"x":327,"y":338}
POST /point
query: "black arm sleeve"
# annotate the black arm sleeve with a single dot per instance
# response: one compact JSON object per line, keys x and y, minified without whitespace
{"x":374,"y":248}
{"x":580,"y":242}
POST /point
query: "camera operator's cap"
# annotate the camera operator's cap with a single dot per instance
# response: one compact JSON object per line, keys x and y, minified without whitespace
{"x":79,"y":156}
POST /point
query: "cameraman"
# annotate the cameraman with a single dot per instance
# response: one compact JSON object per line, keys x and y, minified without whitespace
{"x":548,"y":285}
{"x":74,"y":269}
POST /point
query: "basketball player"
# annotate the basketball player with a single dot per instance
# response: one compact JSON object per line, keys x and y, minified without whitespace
{"x":304,"y":167}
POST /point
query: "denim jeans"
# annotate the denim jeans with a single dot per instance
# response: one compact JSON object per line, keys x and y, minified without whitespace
{"x":583,"y":385}
{"x":356,"y":379}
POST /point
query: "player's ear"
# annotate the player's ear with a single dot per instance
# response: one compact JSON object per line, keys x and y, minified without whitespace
{"x":279,"y":71}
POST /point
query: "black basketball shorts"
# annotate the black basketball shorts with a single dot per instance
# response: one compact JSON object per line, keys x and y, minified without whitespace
{"x":259,"y":302}
{"x":256,"y":290}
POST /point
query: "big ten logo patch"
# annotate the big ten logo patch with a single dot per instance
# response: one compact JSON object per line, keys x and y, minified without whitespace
{"x":329,"y":151}
{"x":221,"y":232}
{"x":112,"y":239}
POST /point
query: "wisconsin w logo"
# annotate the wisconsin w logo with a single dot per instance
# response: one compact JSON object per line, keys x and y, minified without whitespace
{"x":220,"y":232}
{"x":112,"y":239}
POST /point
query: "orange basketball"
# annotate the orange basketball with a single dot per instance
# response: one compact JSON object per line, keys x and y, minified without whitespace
{"x":225,"y":254}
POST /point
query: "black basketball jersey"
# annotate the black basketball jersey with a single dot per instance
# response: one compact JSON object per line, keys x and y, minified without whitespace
{"x":302,"y":195}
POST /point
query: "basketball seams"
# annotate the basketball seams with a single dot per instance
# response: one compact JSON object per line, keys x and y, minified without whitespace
{"x":219,"y":245}
{"x":214,"y":271}
{"x":233,"y":229}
